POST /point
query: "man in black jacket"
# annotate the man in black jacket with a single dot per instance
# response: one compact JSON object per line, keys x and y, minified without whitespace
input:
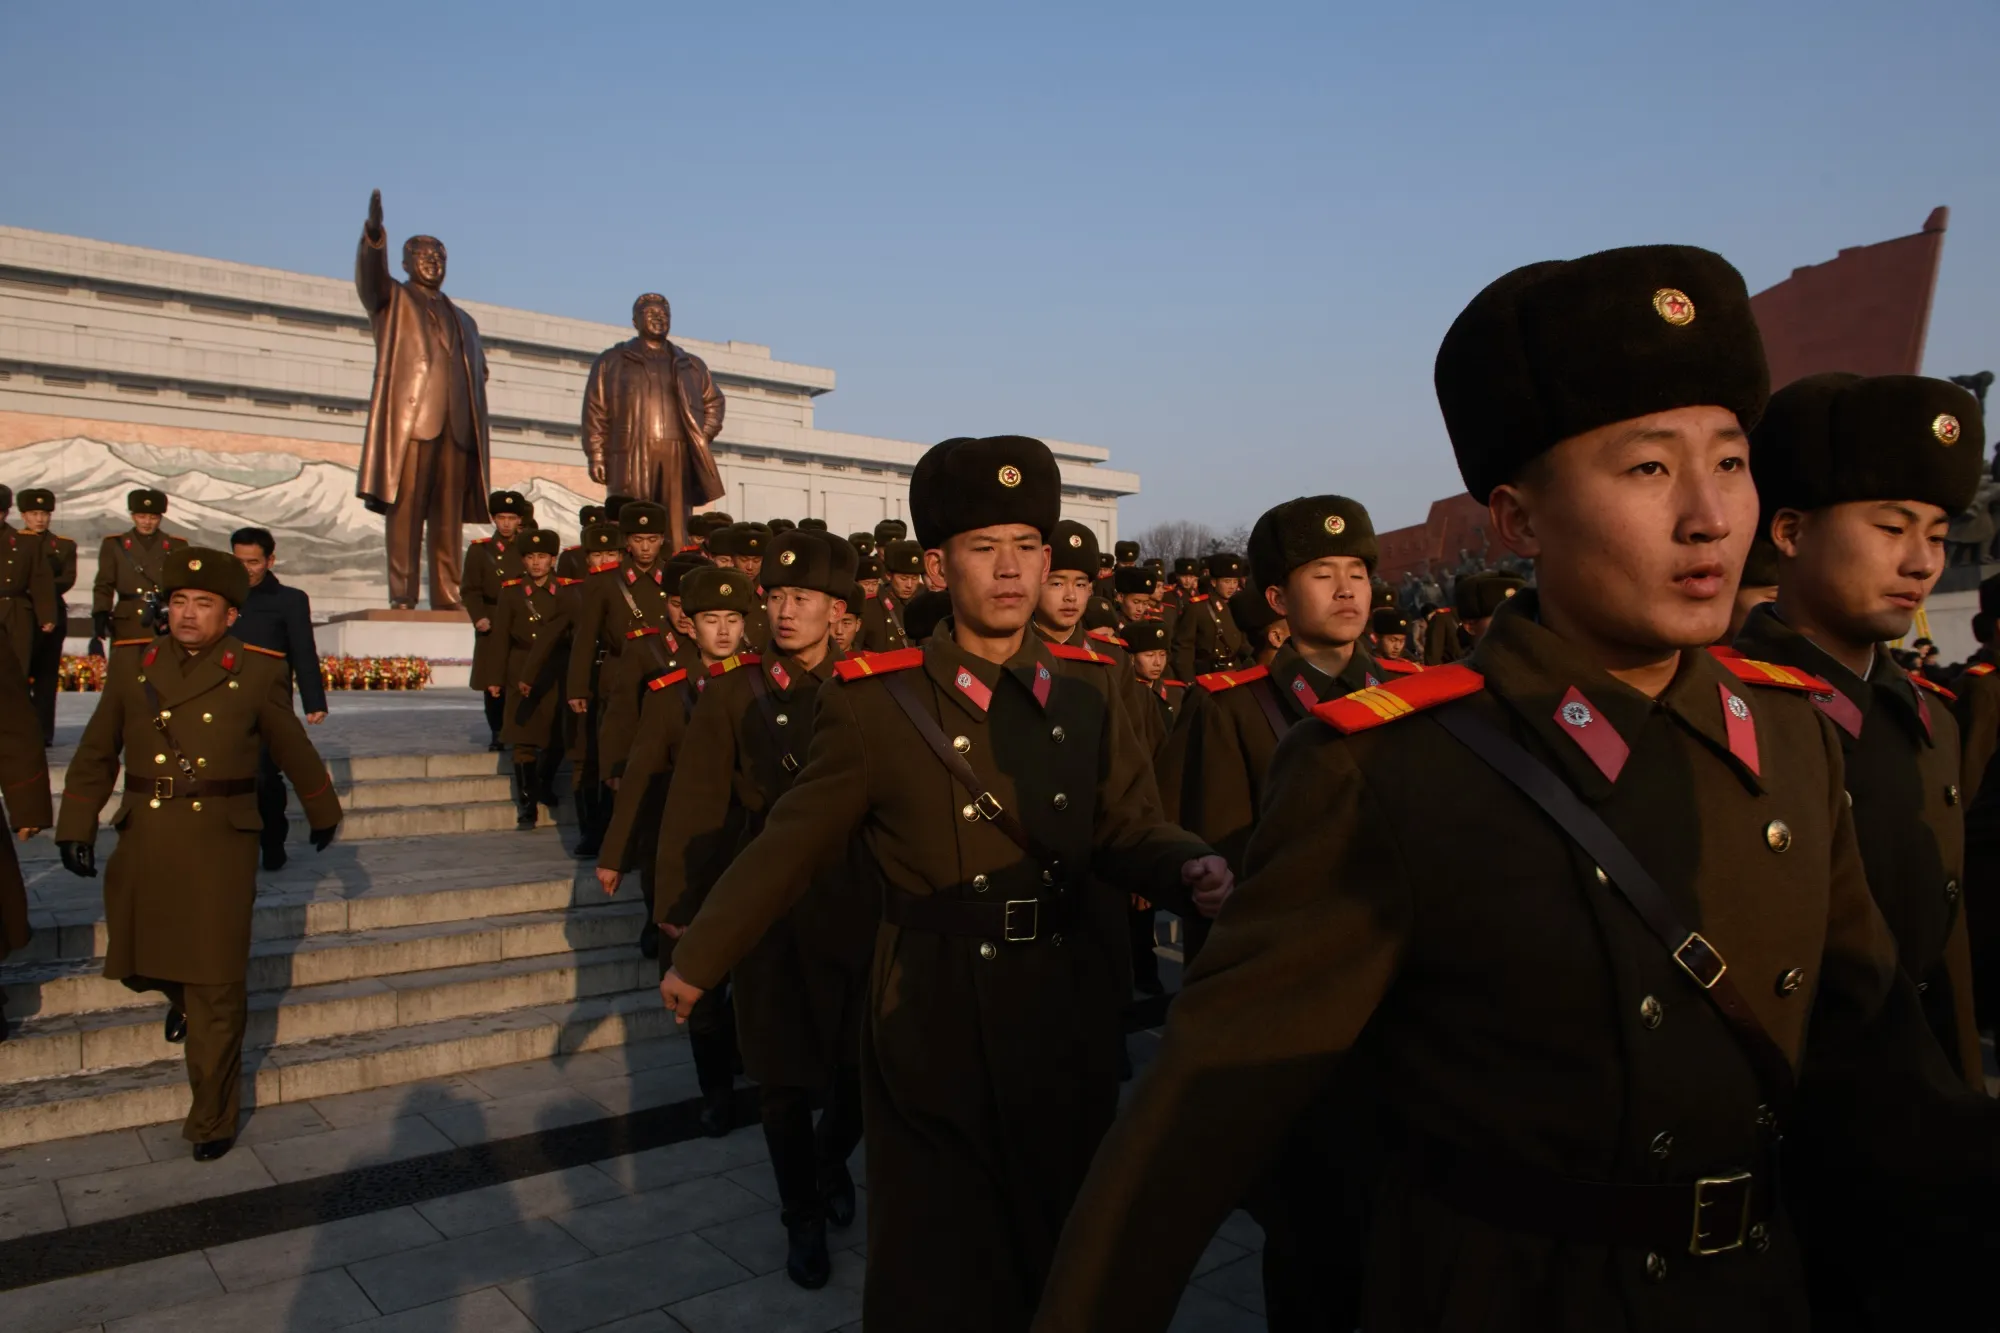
{"x":277,"y":621}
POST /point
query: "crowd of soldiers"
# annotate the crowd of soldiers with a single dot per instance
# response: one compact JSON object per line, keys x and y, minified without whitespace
{"x":1714,"y":888}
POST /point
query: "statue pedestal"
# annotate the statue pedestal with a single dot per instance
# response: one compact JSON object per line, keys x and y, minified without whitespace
{"x":444,"y":637}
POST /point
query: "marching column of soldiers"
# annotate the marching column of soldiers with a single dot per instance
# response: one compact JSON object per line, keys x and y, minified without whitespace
{"x":1523,"y":938}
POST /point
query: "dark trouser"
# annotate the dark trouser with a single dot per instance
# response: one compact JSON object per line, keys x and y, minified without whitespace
{"x":711,"y":1035}
{"x":806,"y":1159}
{"x":496,"y":712}
{"x":271,"y":803}
{"x":46,"y":669}
{"x":1145,"y":963}
{"x":1315,"y":1232}
{"x":429,"y":493}
{"x":216,"y":1018}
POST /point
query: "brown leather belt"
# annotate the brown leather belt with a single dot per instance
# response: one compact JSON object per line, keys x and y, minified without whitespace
{"x":1005,"y":921}
{"x":1711,"y":1215}
{"x":171,"y":788}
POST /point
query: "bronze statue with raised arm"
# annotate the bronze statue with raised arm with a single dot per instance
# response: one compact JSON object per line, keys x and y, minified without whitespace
{"x":650,"y":412}
{"x":426,"y":456}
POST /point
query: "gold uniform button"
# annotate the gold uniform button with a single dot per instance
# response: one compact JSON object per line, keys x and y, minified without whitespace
{"x":166,"y":715}
{"x":980,"y":883}
{"x":1951,"y":890}
{"x":1058,"y":735}
{"x":159,"y":759}
{"x":208,"y":717}
{"x":1656,"y":1268}
{"x":1778,"y":835}
{"x":1603,"y":878}
{"x":782,"y":720}
{"x":1651,"y":1011}
{"x":1951,"y":794}
{"x":988,"y":952}
{"x":962,"y":744}
{"x":197,"y":805}
{"x":1790,"y":982}
{"x":1662,"y":1146}
{"x":1060,"y":801}
{"x":232,"y":684}
{"x":201,"y":763}
{"x":155,"y":803}
{"x":970,"y":811}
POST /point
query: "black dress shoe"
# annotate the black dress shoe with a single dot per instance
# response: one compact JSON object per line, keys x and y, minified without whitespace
{"x":588,"y":849}
{"x":494,"y":744}
{"x":649,"y":940}
{"x":214,"y":1148}
{"x":718,"y":1114}
{"x":806,"y":1260}
{"x":175,"y":1030}
{"x":838,"y":1191}
{"x":275,"y":856}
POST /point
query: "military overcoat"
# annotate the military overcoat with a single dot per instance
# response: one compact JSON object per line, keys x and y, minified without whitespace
{"x":24,"y":791}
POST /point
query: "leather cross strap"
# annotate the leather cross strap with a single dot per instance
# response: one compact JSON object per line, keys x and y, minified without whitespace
{"x":1695,"y":955}
{"x":1267,"y":699}
{"x":188,"y":784}
{"x":962,"y":773}
{"x":639,"y":618}
{"x":767,"y":709}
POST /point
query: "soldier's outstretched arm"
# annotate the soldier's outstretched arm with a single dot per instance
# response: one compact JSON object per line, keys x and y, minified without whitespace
{"x":1288,"y":979}
{"x":292,"y":749}
{"x":659,"y":715}
{"x":807,"y":829}
{"x":1136,"y":848}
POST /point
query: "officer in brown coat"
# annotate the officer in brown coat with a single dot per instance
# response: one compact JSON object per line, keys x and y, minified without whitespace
{"x":1582,"y":1017}
{"x":59,"y":554}
{"x":187,"y":717}
{"x":489,"y":563}
{"x":27,"y":587}
{"x":798,"y":992}
{"x":1001,"y":788}
{"x":125,"y":598}
{"x":600,"y":545}
{"x":1859,"y":479}
{"x":528,"y":608}
{"x":24,"y":804}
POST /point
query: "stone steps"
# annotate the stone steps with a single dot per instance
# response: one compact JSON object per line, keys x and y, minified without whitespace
{"x":36,"y":1110}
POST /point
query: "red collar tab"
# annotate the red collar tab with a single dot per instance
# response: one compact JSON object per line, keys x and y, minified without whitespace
{"x":500,"y":546}
{"x":1593,"y":734}
{"x":973,"y":688}
{"x":780,"y":675}
{"x":1370,"y":708}
{"x":228,"y":659}
{"x":1215,"y":682}
{"x":151,"y":653}
{"x":631,"y":575}
{"x":128,"y":543}
{"x":729,"y":664}
{"x":1845,"y":714}
{"x":661,"y":682}
{"x":874,"y":664}
{"x":1923,"y":709}
{"x":1740,"y":727}
{"x":1076,"y":652}
{"x":1041,"y":689}
{"x":1303,"y":691}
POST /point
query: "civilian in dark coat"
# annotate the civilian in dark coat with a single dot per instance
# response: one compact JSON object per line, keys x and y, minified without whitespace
{"x":277,"y":621}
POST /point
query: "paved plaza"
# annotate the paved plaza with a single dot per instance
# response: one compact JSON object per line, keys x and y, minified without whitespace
{"x":394,"y":976}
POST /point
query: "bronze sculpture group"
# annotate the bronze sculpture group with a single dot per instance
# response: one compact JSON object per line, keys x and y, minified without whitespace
{"x":651,"y":412}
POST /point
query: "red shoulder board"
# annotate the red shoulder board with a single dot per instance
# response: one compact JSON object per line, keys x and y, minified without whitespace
{"x":1106,"y":636}
{"x":1178,"y":684}
{"x":1215,"y":682}
{"x":268,"y":652}
{"x":1924,"y":682}
{"x":508,"y":583}
{"x":661,"y":682}
{"x":1199,"y":597}
{"x":228,"y":659}
{"x":1769,"y":673}
{"x":130,"y":643}
{"x":568,"y":549}
{"x":1400,"y":666}
{"x":151,"y":653}
{"x":1076,"y":653}
{"x":604,"y":569}
{"x":1980,"y":669}
{"x":729,"y":664}
{"x":567,"y":582}
{"x":874,"y":664}
{"x":1377,"y":704}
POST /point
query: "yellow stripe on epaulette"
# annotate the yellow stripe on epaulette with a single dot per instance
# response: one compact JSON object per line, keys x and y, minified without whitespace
{"x":1378,"y":704}
{"x":268,"y":652}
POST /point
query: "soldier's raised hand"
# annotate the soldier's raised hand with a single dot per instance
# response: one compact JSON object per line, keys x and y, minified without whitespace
{"x":79,"y":858}
{"x":375,"y":217}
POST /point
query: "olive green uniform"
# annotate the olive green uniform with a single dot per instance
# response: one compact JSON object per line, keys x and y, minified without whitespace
{"x":620,"y":651}
{"x":990,"y":1045}
{"x":882,"y":623}
{"x":181,"y":883}
{"x":27,"y":592}
{"x":129,"y":566}
{"x":1442,"y":640}
{"x":490,"y":562}
{"x":1206,"y":639}
{"x":1515,"y":1021}
{"x":524,"y":613}
{"x":1977,"y":710}
{"x":45,"y":670}
{"x":24,"y":793}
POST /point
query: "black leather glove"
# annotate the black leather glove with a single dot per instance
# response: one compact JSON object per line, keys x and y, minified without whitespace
{"x":79,"y":858}
{"x":322,"y":838}
{"x":100,"y":625}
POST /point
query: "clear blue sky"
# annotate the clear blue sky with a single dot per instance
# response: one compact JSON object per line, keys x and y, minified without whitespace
{"x":1222,"y":240}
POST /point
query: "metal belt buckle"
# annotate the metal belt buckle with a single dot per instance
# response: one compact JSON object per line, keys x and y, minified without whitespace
{"x":163,"y":789}
{"x":1699,"y":960}
{"x":1713,"y":1192}
{"x":987,"y":805}
{"x":1031,"y":908}
{"x":790,"y":763}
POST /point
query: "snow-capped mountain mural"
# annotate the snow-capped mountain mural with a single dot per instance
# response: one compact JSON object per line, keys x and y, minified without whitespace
{"x":328,"y":542}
